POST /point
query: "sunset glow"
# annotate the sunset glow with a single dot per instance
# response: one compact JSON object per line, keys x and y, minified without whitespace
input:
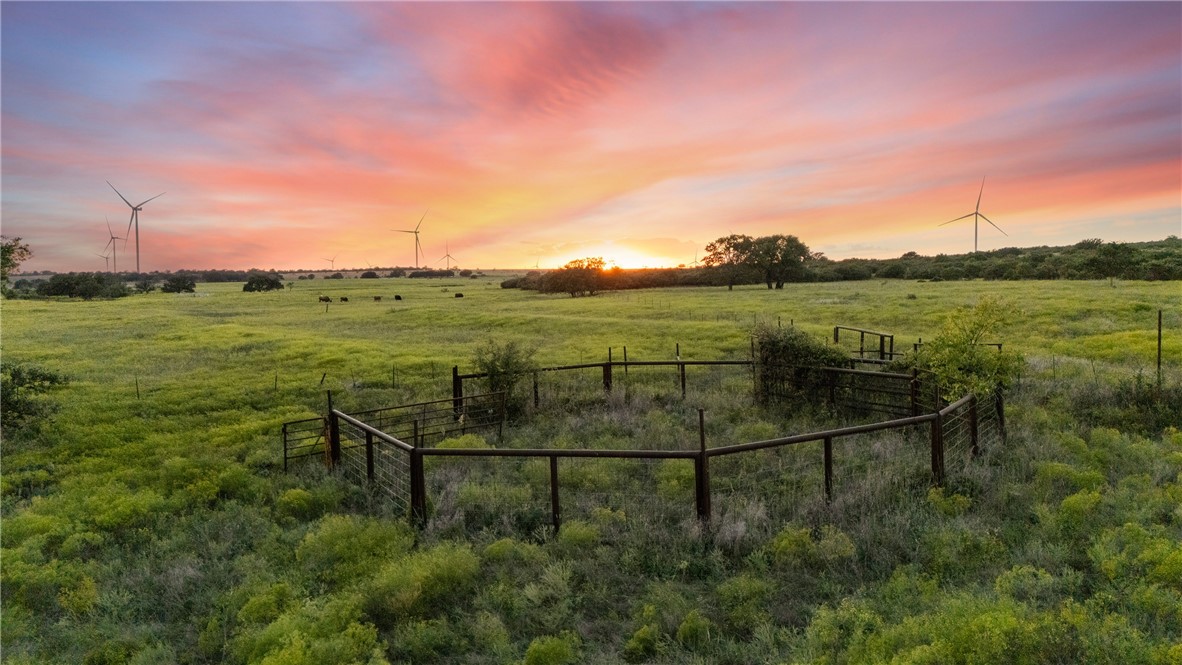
{"x":536,"y":133}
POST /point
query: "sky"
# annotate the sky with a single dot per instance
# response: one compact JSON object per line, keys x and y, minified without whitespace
{"x":311,"y":135}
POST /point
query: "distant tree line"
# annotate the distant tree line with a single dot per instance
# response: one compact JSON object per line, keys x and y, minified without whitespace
{"x":780,"y":259}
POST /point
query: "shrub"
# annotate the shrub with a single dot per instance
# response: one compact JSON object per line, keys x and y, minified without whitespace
{"x":22,"y":390}
{"x":694,"y":631}
{"x":785,"y":358}
{"x":421,"y":584}
{"x":343,"y":548}
{"x":84,"y":285}
{"x":263,"y":282}
{"x":369,"y":274}
{"x":959,"y":356}
{"x":179,"y":284}
{"x":643,"y":643}
{"x":553,"y":650}
{"x":506,"y":364}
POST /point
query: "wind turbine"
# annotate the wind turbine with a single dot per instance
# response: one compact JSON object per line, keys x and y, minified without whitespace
{"x":135,"y":219}
{"x":447,"y":256}
{"x":418,"y":247}
{"x":108,"y":258}
{"x":332,"y":263}
{"x":975,"y":214}
{"x":111,"y":244}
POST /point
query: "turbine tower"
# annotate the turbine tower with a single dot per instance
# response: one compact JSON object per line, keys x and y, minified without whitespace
{"x":111,"y":244}
{"x":418,"y":247}
{"x":975,"y":214}
{"x":332,"y":263}
{"x":135,"y":219}
{"x":447,"y":256}
{"x":108,"y":260}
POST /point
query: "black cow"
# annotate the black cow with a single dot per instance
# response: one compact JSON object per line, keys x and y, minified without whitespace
{"x":325,"y":299}
{"x":344,"y":299}
{"x":377,"y":299}
{"x":459,"y":295}
{"x":398,"y":297}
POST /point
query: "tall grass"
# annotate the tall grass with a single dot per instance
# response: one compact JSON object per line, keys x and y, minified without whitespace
{"x":147,"y":519}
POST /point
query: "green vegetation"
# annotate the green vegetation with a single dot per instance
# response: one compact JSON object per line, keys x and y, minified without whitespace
{"x":148,"y":520}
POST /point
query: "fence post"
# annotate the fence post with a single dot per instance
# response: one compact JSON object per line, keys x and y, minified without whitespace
{"x":702,"y":471}
{"x":938,"y":450}
{"x":999,"y":401}
{"x":457,"y":391}
{"x":828,"y":469}
{"x":836,"y":330}
{"x":607,"y":377}
{"x":537,"y":399}
{"x":682,"y":369}
{"x":555,"y":508}
{"x":284,"y":447}
{"x":862,"y":344}
{"x":973,"y":437}
{"x":625,"y":360}
{"x":1159,"y":354}
{"x":418,"y":485}
{"x":882,"y":347}
{"x":369,"y":456}
{"x":334,"y":435}
{"x":914,"y":391}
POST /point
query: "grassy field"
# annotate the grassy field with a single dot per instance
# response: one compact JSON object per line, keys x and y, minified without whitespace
{"x":146,"y":521}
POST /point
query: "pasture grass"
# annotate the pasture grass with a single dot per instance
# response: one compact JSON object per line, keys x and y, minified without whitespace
{"x":147,"y":520}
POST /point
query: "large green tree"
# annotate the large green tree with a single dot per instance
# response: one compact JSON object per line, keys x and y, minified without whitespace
{"x":778,"y":258}
{"x":581,"y":277}
{"x":730,"y":253}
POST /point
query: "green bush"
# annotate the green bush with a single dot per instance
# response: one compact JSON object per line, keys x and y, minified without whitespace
{"x":422,"y":584}
{"x":22,"y":393}
{"x":959,"y":356}
{"x":507,"y":364}
{"x":553,"y":650}
{"x":694,"y":631}
{"x":343,"y":548}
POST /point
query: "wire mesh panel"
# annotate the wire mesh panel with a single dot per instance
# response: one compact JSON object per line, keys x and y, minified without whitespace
{"x":382,"y":467}
{"x":876,"y":468}
{"x":304,"y":440}
{"x":872,"y":392}
{"x":631,"y":492}
{"x":787,"y":481}
{"x":567,"y":388}
{"x":439,"y":419}
{"x":507,"y":496}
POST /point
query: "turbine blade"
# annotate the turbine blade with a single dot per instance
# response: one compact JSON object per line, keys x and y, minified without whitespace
{"x":993,"y":225}
{"x":130,"y":221}
{"x":980,"y":193}
{"x":421,"y":220}
{"x":154,"y":197}
{"x":120,"y":195}
{"x":957,"y":219}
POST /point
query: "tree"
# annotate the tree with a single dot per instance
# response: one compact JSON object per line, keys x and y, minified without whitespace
{"x":1113,"y":260}
{"x":729,"y":253}
{"x":179,"y":284}
{"x":263,"y":282}
{"x":581,"y":277}
{"x":779,"y":258}
{"x":369,"y":274}
{"x":13,"y":253}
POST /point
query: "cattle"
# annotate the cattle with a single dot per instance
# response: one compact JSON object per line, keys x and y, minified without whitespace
{"x":459,"y":295}
{"x":398,"y":297}
{"x":377,"y":299}
{"x":344,"y":299}
{"x":325,"y":299}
